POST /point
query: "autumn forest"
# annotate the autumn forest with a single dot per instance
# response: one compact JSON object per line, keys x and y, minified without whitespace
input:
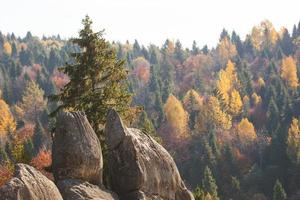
{"x":229,"y":115}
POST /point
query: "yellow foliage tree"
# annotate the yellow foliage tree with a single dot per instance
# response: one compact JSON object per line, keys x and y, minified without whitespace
{"x":289,"y":72}
{"x":211,"y":115}
{"x":235,"y":104}
{"x":226,"y":50}
{"x":7,"y":122}
{"x":33,"y":101}
{"x":256,"y":99}
{"x":261,"y":82}
{"x":293,"y":141}
{"x":246,"y":132}
{"x":176,"y":116}
{"x":7,"y":48}
{"x":270,"y":35}
{"x":256,"y":37}
{"x":264,"y":35}
{"x":227,"y":82}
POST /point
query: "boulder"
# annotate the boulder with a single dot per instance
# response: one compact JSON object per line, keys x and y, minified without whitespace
{"x":76,"y":150}
{"x":29,"y":184}
{"x":72,"y":189}
{"x":140,"y":168}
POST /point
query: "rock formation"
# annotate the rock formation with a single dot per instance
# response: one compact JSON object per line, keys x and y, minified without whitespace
{"x":140,"y":168}
{"x":29,"y":184}
{"x":72,"y":189}
{"x":76,"y":150}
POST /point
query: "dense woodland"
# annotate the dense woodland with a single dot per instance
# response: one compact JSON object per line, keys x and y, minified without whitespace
{"x":229,"y":115}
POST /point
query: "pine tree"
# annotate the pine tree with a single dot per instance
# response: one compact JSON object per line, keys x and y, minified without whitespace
{"x":273,"y":116}
{"x":146,"y":125}
{"x":195,"y":48}
{"x":278,"y":192}
{"x":14,"y":52}
{"x":179,"y":53}
{"x":53,"y":60}
{"x":97,"y":79}
{"x":209,"y":184}
{"x":38,"y":137}
{"x":199,"y":194}
{"x":286,"y":43}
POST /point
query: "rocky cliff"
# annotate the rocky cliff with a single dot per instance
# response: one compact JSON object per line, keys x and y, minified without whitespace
{"x":139,"y":167}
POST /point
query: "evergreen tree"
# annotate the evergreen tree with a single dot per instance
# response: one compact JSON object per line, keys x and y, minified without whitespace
{"x":168,"y":81}
{"x":209,"y":184}
{"x":286,"y":43}
{"x":195,"y":48}
{"x":278,"y":191}
{"x":179,"y":53}
{"x":273,"y":116}
{"x":153,"y":57}
{"x":53,"y":60}
{"x":3,"y":156}
{"x":96,"y":79}
{"x":205,"y":49}
{"x":14,"y":52}
{"x":224,"y":34}
{"x":294,"y":34}
{"x":37,"y":139}
{"x":199,"y":193}
{"x":136,"y":49}
{"x":146,"y":125}
{"x":236,"y":40}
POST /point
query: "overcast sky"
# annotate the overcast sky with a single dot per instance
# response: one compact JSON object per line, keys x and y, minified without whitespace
{"x":149,"y":21}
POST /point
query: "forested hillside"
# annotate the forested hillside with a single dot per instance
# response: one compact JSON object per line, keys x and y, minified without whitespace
{"x":229,"y":115}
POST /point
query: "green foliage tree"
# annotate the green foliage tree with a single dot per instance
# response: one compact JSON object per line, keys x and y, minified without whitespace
{"x":278,"y":191}
{"x":97,"y":79}
{"x":209,"y":184}
{"x":199,"y":194}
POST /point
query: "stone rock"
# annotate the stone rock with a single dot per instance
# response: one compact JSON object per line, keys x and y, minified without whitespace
{"x":72,"y":189}
{"x":76,"y":150}
{"x":29,"y":184}
{"x":140,"y":168}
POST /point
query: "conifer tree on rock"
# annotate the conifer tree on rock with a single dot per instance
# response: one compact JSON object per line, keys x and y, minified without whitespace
{"x":97,"y":79}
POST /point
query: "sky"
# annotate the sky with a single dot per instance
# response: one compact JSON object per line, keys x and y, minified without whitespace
{"x":148,"y":21}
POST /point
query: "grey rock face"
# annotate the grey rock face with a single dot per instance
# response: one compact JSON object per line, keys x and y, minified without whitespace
{"x":140,"y":168}
{"x":72,"y":189}
{"x":76,"y":150}
{"x":29,"y":184}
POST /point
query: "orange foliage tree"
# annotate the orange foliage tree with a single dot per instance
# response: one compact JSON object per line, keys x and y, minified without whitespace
{"x":142,"y":69}
{"x":6,"y":172}
{"x":42,"y":160}
{"x":7,"y":48}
